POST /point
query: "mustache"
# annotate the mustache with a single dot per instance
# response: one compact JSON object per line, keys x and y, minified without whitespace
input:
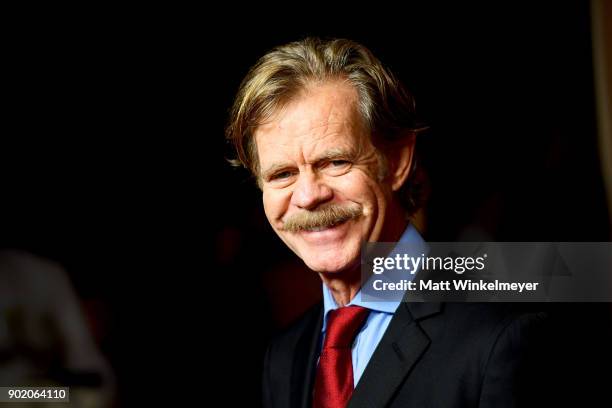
{"x":323,"y":217}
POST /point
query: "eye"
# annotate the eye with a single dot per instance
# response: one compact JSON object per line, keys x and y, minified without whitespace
{"x":339,"y":163}
{"x":281,"y":175}
{"x":337,"y":167}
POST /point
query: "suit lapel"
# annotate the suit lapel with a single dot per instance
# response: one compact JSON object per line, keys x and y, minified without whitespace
{"x":305,"y":362}
{"x":400,"y":348}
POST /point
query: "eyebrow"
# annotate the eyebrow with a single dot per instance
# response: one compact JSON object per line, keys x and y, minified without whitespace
{"x":329,"y":155}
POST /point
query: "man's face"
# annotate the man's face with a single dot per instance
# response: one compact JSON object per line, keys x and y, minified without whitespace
{"x":319,"y":175}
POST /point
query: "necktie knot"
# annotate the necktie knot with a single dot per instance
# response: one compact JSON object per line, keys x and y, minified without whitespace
{"x":342,"y":326}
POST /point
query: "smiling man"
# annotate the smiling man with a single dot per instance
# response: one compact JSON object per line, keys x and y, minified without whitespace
{"x":330,"y":134}
{"x":324,"y":190}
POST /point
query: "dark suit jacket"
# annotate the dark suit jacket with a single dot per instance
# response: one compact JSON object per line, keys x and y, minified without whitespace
{"x":432,"y":355}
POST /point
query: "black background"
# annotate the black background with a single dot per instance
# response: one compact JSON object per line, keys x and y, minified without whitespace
{"x":113,"y":162}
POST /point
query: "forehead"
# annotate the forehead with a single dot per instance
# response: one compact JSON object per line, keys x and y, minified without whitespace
{"x":321,"y":116}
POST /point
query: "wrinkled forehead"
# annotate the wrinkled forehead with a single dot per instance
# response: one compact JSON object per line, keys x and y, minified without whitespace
{"x":326,"y":114}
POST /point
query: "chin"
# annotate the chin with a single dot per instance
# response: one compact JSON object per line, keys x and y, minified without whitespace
{"x":327,"y":255}
{"x":334,"y":263}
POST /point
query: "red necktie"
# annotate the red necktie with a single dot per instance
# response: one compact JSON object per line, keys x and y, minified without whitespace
{"x":334,"y":381}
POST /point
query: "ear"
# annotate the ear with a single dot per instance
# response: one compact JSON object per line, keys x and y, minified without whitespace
{"x":400,"y":155}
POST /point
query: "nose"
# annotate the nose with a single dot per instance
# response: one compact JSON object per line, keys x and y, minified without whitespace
{"x":310,"y":191}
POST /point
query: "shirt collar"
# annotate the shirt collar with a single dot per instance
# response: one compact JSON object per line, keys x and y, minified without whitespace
{"x":417,"y":246}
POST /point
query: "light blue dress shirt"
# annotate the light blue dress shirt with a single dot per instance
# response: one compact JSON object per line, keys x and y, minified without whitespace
{"x":380,"y":315}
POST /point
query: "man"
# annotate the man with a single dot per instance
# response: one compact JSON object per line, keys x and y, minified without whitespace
{"x":329,"y":134}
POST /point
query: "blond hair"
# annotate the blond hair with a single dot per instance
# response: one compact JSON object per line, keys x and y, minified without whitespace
{"x":386,"y":107}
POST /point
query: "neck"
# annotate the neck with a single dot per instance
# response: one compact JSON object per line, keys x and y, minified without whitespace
{"x":345,"y":285}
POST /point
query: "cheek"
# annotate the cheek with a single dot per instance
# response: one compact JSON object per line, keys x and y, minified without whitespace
{"x":268,"y":203}
{"x":275,"y":204}
{"x":360,"y":188}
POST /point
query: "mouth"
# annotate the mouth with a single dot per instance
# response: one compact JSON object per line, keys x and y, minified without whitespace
{"x":317,"y":229}
{"x":323,"y":228}
{"x":325,"y":234}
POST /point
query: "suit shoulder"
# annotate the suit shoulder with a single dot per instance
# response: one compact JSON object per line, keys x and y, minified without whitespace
{"x":492,"y":316}
{"x":478,"y":327}
{"x":305,"y":324}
